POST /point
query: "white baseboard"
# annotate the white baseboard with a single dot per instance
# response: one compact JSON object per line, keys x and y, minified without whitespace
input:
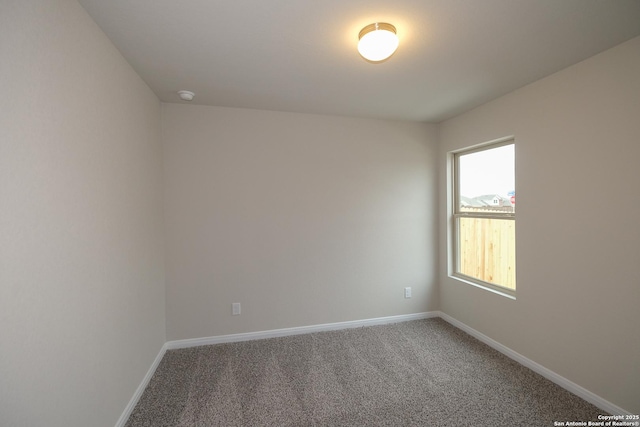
{"x":145,"y":381}
{"x":536,"y":367}
{"x":172,"y":345}
{"x":568,"y":385}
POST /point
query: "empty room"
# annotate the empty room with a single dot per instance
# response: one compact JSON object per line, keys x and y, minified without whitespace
{"x":303,"y":213}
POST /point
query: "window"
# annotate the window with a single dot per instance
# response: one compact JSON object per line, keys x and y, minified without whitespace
{"x":484,"y":237}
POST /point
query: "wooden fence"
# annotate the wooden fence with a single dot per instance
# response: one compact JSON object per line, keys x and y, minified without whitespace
{"x":488,"y":251}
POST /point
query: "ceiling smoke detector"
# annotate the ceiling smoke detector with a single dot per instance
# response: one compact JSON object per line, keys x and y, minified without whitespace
{"x":186,"y":95}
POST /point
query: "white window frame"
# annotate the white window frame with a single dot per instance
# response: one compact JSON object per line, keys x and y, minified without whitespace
{"x":456,"y":214}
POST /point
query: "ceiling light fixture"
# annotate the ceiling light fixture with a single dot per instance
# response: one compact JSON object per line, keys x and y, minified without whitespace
{"x":378,"y":41}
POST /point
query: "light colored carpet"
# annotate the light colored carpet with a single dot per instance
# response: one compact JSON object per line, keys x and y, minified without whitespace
{"x":418,"y":373}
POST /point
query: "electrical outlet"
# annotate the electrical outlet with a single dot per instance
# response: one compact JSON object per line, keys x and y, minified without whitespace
{"x":235,"y":309}
{"x":407,"y":292}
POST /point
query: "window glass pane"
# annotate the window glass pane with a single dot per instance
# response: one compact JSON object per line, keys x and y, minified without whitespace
{"x":487,"y":181}
{"x":487,"y":250}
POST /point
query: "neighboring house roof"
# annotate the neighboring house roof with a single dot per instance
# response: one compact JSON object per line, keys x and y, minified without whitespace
{"x":485,"y":200}
{"x":470,"y":202}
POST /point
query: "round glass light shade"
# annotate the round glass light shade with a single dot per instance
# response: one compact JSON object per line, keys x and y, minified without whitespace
{"x":377,"y":41}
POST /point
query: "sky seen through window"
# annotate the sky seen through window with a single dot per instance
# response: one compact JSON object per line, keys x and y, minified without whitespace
{"x":488,"y":172}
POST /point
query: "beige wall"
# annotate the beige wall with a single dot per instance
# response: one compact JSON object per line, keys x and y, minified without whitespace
{"x":303,"y":219}
{"x":81,"y":263}
{"x":577,"y":148}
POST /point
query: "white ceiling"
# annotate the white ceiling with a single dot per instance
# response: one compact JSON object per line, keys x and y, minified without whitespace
{"x":301,"y":56}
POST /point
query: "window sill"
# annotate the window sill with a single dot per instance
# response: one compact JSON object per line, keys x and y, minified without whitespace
{"x":486,"y":286}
